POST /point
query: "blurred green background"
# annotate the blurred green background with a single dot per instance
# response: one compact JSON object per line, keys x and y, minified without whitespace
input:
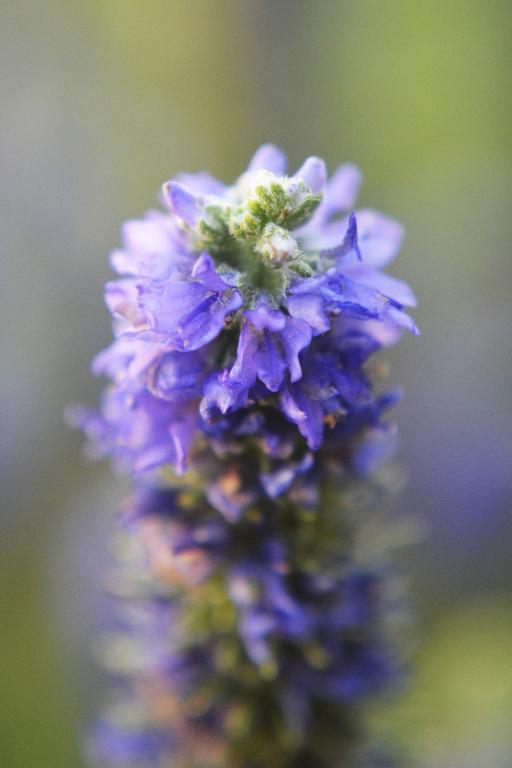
{"x":103,"y":100}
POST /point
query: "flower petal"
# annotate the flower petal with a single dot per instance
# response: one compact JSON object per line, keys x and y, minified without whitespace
{"x":177,"y":377}
{"x":269,"y":362}
{"x":389,"y":286}
{"x":313,"y":173}
{"x":184,"y":204}
{"x":380,"y":237}
{"x":204,"y":271}
{"x":201,"y":183}
{"x":295,"y":337}
{"x":343,"y":188}
{"x":269,"y":158}
{"x":165,"y":304}
{"x":309,"y":307}
{"x":265,"y":318}
{"x":348,"y":246}
{"x":306,"y":413}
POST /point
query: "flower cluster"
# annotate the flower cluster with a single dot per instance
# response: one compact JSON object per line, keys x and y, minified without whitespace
{"x":243,"y":398}
{"x":266,"y":291}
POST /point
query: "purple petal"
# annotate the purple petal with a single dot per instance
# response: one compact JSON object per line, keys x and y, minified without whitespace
{"x":355,"y":299}
{"x":222,"y":394}
{"x":204,"y":271}
{"x":204,"y":323}
{"x":295,"y":337}
{"x":380,"y":237}
{"x":153,"y":457}
{"x":389,"y":286}
{"x":181,"y":202}
{"x":343,"y":188}
{"x":125,"y":359}
{"x":182,"y":433}
{"x":177,"y":377}
{"x":244,"y":369}
{"x":269,"y":362}
{"x":313,"y":173}
{"x":403,"y":320}
{"x":202,"y":183}
{"x":309,"y":307}
{"x":258,"y":354}
{"x":358,"y":300}
{"x":186,"y":312}
{"x":307,"y":285}
{"x":165,"y":305}
{"x":122,"y":301}
{"x":264,"y":318}
{"x":152,"y":247}
{"x":305,"y":412}
{"x":123,"y":263}
{"x":147,"y":235}
{"x":348,"y":246}
{"x":382,"y":332}
{"x":340,"y":195}
{"x":276,"y":483}
{"x":269,"y":158}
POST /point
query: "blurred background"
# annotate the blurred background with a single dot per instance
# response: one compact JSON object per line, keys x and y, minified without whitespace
{"x":105,"y":99}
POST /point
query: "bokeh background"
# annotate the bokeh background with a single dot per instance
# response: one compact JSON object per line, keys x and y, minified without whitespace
{"x":103,"y":100}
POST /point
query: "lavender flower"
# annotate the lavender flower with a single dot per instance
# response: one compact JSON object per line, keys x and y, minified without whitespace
{"x":242,"y":400}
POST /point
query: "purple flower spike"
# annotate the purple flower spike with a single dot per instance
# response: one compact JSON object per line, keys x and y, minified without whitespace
{"x":242,"y":402}
{"x":231,"y":283}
